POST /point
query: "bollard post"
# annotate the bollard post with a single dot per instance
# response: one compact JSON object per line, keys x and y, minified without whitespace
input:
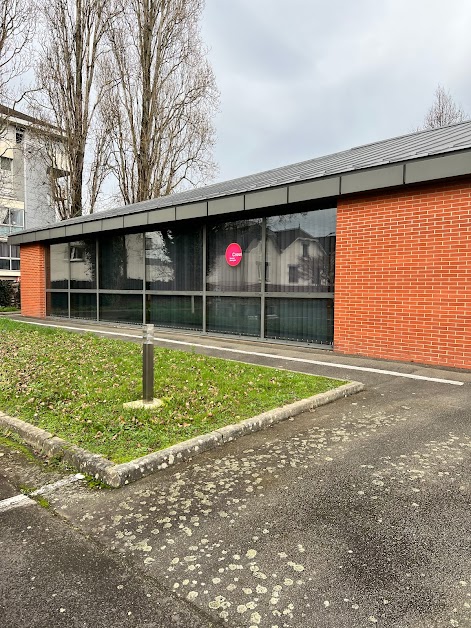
{"x":148,"y":364}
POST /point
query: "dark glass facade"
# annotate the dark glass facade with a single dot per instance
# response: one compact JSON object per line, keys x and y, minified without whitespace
{"x":269,"y":278}
{"x":179,"y":311}
{"x":174,"y":260}
{"x":121,"y":262}
{"x":234,"y":315}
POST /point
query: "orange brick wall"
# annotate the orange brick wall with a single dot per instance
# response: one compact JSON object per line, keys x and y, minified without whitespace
{"x":403,"y":275}
{"x":33,"y":280}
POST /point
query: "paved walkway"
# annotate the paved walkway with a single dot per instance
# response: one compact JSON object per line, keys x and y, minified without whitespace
{"x":356,"y":514}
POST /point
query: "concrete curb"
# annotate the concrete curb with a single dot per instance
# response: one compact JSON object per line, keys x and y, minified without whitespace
{"x":117,"y":475}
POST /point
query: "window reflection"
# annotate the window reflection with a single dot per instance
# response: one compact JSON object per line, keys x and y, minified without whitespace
{"x":122,"y":262}
{"x":300,"y":252}
{"x":245,"y":277}
{"x":174,"y":260}
{"x":83,"y":264}
{"x":58,"y":266}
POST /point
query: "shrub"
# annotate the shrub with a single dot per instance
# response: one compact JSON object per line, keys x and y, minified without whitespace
{"x":9,"y":294}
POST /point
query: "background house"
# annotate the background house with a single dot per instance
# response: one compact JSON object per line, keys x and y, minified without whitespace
{"x":26,"y":172}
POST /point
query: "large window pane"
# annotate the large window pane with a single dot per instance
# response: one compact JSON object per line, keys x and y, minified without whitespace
{"x":300,"y":252}
{"x":57,"y":304}
{"x":83,"y":264}
{"x":174,"y":259}
{"x":58,"y":266}
{"x":83,"y":305}
{"x":181,"y":312}
{"x":121,"y":308}
{"x":304,"y":320}
{"x":17,"y":217}
{"x":245,"y":277}
{"x":122,"y":262}
{"x":234,"y":315}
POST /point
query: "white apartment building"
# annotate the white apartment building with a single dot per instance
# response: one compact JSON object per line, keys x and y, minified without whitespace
{"x":25,"y":177}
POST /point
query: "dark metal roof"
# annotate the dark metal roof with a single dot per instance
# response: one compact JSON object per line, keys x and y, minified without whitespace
{"x":379,"y":157}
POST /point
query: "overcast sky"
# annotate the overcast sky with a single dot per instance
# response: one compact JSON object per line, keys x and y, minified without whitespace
{"x":304,"y":78}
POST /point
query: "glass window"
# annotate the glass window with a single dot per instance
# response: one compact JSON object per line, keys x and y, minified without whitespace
{"x":304,"y":320}
{"x":181,"y":312}
{"x":174,"y":259}
{"x":234,"y":315}
{"x":15,"y":251}
{"x":245,"y":275}
{"x":83,"y":264}
{"x":293,"y":273}
{"x":122,"y":262}
{"x":121,"y":308}
{"x":4,"y":264}
{"x":58,"y":266}
{"x":300,"y":250}
{"x":4,"y":249}
{"x":15,"y":264}
{"x":17,"y":217}
{"x":83,"y":305}
{"x":57,"y":304}
{"x":5,"y":163}
{"x":19,"y":134}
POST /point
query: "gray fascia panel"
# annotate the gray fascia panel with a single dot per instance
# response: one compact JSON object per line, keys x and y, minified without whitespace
{"x":45,"y":234}
{"x":226,"y":205}
{"x":193,"y":210}
{"x":92,"y":226}
{"x":161,"y":215}
{"x":266,"y":198}
{"x":135,"y":220}
{"x":73,"y":230}
{"x":438,"y":167}
{"x":313,"y":190}
{"x":112,"y":223}
{"x":376,"y":178}
{"x":57,"y":232}
{"x":16,"y":239}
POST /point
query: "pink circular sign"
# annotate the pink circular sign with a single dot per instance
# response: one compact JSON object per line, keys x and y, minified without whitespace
{"x":233,"y":254}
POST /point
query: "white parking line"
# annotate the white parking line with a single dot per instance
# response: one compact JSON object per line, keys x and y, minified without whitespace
{"x":15,"y":502}
{"x":272,"y":356}
{"x":23,"y":500}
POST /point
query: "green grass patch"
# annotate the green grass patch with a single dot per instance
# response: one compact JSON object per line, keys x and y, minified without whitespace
{"x":74,"y":385}
{"x":8,"y":308}
{"x":42,"y":501}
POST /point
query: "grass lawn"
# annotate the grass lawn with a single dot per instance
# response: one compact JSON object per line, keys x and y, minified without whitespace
{"x":74,"y":386}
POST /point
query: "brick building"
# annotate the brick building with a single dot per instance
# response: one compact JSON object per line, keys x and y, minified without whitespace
{"x":367,"y":251}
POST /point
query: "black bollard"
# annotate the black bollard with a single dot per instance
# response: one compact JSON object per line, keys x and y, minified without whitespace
{"x":148,"y":364}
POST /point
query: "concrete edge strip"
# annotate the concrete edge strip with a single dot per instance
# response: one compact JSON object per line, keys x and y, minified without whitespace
{"x":117,"y":475}
{"x":15,"y":502}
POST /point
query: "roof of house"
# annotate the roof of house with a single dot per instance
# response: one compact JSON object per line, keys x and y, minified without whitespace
{"x":8,"y":112}
{"x":416,"y":157}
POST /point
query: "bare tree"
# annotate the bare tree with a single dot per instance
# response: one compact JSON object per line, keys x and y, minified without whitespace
{"x":160,"y":107}
{"x":71,"y":42}
{"x":16,"y":30}
{"x":443,"y":111}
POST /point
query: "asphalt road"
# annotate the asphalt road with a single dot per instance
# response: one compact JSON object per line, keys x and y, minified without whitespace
{"x":357,"y":514}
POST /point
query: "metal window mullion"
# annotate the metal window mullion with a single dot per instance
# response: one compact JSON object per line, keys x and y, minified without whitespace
{"x":263,"y":264}
{"x":144,"y":309}
{"x":68,"y":279}
{"x":97,"y":278}
{"x":205,"y":233}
